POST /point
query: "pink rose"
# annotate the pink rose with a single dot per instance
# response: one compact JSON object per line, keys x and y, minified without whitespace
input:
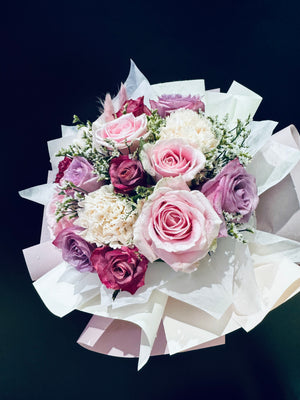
{"x":126,"y":174}
{"x":120,"y":269}
{"x":54,"y":226}
{"x":171,"y":102}
{"x":81,"y":173}
{"x":136,"y":107}
{"x":123,"y":132}
{"x":233,"y":190}
{"x":172,"y":157}
{"x":176,"y":225}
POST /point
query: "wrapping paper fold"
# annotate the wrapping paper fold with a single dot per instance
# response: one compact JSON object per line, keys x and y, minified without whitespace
{"x":234,"y":288}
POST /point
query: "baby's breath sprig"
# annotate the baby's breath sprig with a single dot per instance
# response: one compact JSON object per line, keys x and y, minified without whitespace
{"x":135,"y":155}
{"x":143,"y":192}
{"x":66,"y":208}
{"x":85,"y":145}
{"x":154,"y":124}
{"x":229,"y":217}
{"x":64,"y":190}
{"x":70,"y":205}
{"x":79,"y":124}
{"x":99,"y":157}
{"x":235,"y":228}
{"x":231,"y":145}
{"x":135,"y":200}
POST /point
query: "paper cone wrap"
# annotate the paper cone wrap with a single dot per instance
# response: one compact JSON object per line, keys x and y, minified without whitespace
{"x":236,"y":287}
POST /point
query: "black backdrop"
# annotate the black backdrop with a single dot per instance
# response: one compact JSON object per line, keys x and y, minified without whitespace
{"x":57,"y":59}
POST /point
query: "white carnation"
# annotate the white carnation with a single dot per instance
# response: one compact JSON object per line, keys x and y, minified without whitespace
{"x":193,"y":127}
{"x":107,"y":217}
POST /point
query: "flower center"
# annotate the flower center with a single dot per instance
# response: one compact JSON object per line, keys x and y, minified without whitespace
{"x":170,"y":222}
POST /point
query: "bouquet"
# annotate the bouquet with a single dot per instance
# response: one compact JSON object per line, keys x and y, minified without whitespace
{"x":164,"y":220}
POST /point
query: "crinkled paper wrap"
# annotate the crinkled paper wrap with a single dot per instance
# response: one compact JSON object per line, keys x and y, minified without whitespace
{"x":235,"y":287}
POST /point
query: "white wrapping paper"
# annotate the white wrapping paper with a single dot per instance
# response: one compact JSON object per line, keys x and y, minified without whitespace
{"x":235,"y":287}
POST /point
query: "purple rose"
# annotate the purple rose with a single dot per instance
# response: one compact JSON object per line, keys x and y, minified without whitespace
{"x":126,"y":174}
{"x":81,"y":173}
{"x":171,"y":102}
{"x":75,"y":250}
{"x":136,"y":107}
{"x":120,"y":269}
{"x":233,"y":190}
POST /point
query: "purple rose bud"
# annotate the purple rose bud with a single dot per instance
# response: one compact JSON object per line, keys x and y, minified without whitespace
{"x":81,"y":173}
{"x":171,"y":102}
{"x":233,"y":190}
{"x":75,"y":250}
{"x":120,"y":269}
{"x":126,"y":174}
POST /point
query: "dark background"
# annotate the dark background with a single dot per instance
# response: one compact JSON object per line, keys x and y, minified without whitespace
{"x":57,"y":59}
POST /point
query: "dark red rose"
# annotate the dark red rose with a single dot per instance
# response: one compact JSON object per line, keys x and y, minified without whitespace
{"x":126,"y":174}
{"x":120,"y":269}
{"x":62,"y":166}
{"x":136,"y":107}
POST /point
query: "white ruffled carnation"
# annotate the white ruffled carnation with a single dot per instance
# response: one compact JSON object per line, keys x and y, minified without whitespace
{"x":193,"y":127}
{"x":107,"y":217}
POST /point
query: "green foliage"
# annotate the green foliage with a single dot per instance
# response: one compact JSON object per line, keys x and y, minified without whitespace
{"x":235,"y":228}
{"x":154,"y":124}
{"x":143,"y":192}
{"x":99,"y":157}
{"x":115,"y":294}
{"x":70,"y":204}
{"x":231,"y":144}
